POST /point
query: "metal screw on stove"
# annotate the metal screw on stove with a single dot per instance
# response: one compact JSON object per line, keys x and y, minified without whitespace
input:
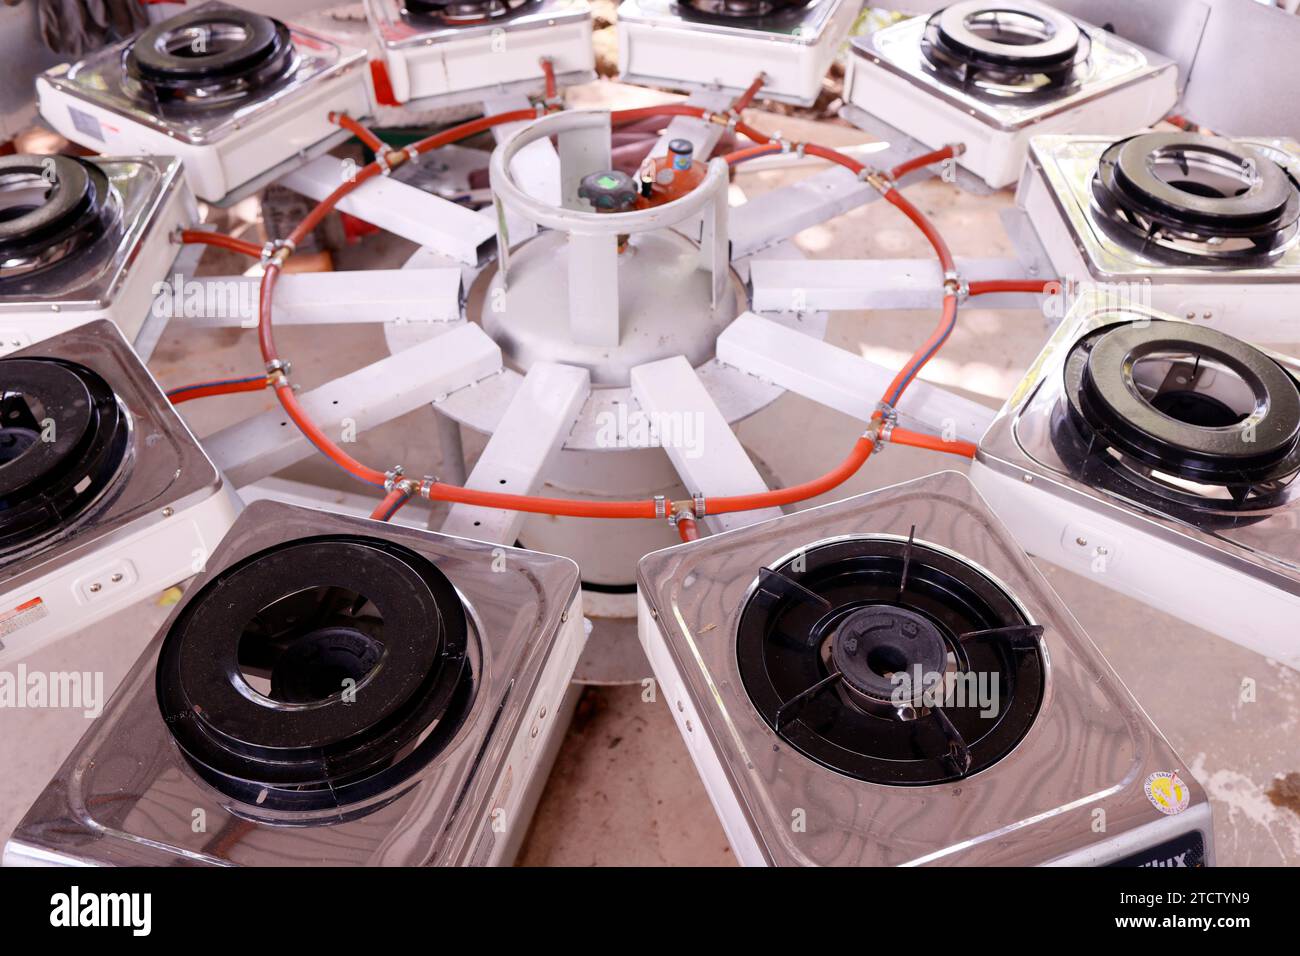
{"x":96,"y":588}
{"x":168,"y":511}
{"x":1029,"y":479}
{"x":1081,"y":541}
{"x":116,"y":578}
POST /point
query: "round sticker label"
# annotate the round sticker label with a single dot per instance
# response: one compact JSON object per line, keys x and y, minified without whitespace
{"x":1167,"y":792}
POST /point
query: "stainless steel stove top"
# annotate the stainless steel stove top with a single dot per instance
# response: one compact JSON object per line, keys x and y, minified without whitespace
{"x":1089,"y":746}
{"x":103,"y":78}
{"x":1111,"y":64}
{"x":1069,"y":164}
{"x":128,"y":795}
{"x":139,"y":186}
{"x":161,"y":469}
{"x":1257,"y":539}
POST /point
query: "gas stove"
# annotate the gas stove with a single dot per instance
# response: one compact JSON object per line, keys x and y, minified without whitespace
{"x":105,"y":496}
{"x":725,"y":43}
{"x":238,"y":96}
{"x":441,"y":48}
{"x":1207,"y":228}
{"x":330,"y":691}
{"x":1158,"y":457}
{"x":84,"y":239}
{"x":888,"y":680}
{"x":991,"y":75}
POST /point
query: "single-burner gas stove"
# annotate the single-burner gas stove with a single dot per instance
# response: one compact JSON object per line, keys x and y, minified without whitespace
{"x":1200,"y":226}
{"x":105,"y":496}
{"x":990,"y":75}
{"x":1159,"y":458}
{"x":725,"y":43}
{"x":888,"y":680}
{"x":234,"y":94}
{"x":331,"y":691}
{"x":448,"y":48}
{"x":84,"y":239}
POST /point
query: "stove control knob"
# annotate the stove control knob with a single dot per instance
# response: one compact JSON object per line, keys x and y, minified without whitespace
{"x":610,"y":191}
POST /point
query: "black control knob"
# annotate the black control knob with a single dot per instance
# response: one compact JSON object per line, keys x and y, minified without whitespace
{"x":610,"y":191}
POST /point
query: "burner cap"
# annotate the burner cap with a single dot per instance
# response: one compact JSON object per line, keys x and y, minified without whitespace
{"x":1184,"y":193}
{"x":1188,"y":400}
{"x":365,"y":646}
{"x":1004,"y":52}
{"x":63,"y":438}
{"x":205,"y":48}
{"x":822,"y":634}
{"x":1254,"y":191}
{"x":49,"y":206}
{"x":876,"y":642}
{"x":1024,"y":36}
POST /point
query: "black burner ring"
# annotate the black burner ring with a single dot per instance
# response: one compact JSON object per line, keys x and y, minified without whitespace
{"x":320,"y":753}
{"x":54,"y":467}
{"x":950,"y":37}
{"x":809,"y":695}
{"x":261,"y":51}
{"x":75,"y":208}
{"x":875,"y":642}
{"x":1270,"y":202}
{"x":1104,"y":402}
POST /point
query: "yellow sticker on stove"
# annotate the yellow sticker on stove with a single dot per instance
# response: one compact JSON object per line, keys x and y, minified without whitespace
{"x":1167,"y":792}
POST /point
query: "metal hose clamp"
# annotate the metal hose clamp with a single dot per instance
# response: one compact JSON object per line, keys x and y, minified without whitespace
{"x":277,"y":251}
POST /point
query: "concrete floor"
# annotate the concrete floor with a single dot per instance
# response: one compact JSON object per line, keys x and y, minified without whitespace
{"x":624,"y":791}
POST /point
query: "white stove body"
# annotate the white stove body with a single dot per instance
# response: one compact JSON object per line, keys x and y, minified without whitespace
{"x":1213,"y":583}
{"x":148,"y":252}
{"x":160,"y":520}
{"x":888,"y":78}
{"x":657,"y":47}
{"x":426,"y":62}
{"x":228,"y":149}
{"x":88,"y":585}
{"x":1253,"y":303}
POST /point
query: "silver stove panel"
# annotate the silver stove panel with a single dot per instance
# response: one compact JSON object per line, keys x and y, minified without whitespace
{"x":127,"y":796}
{"x":1019,"y":442}
{"x":142,"y":185}
{"x":1068,"y":163}
{"x":102,"y":79}
{"x":1091,"y":746}
{"x":164,"y":465}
